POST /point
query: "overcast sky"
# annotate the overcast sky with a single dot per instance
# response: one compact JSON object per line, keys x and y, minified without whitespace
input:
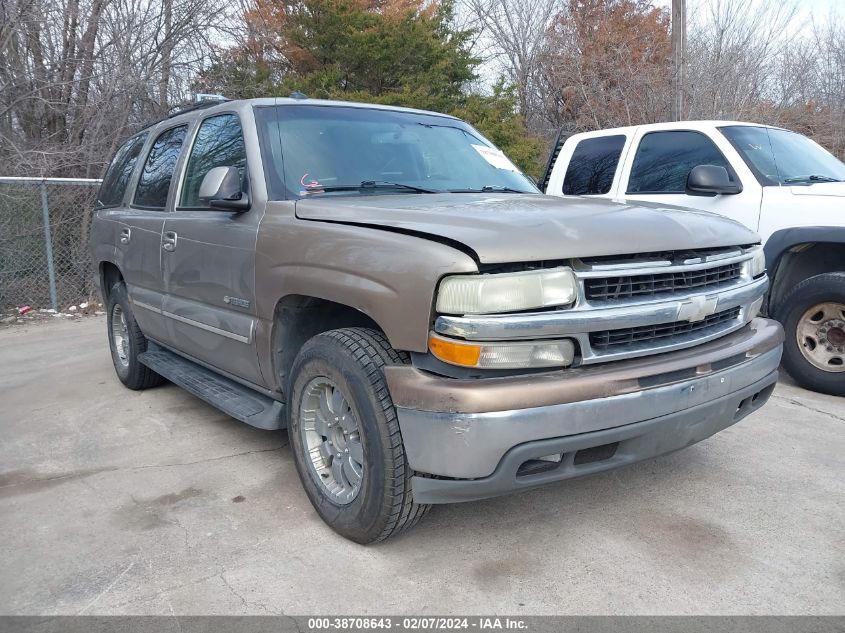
{"x":807,"y":10}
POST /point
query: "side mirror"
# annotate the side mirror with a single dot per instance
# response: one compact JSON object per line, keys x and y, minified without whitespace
{"x":221,"y":188}
{"x":710,"y":180}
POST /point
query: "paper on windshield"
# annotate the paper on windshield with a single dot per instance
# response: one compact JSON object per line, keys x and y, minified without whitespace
{"x":495,"y":157}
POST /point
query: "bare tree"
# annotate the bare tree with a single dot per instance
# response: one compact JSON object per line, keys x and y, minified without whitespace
{"x":734,"y":51}
{"x":79,"y":75}
{"x":811,"y":84}
{"x":605,"y":63}
{"x":513,"y":35}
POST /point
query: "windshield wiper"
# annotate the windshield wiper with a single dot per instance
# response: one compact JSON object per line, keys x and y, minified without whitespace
{"x":811,"y":178}
{"x":489,"y":189}
{"x":370,"y":184}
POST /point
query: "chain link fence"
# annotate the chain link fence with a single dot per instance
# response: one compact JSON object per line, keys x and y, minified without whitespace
{"x":44,"y":228}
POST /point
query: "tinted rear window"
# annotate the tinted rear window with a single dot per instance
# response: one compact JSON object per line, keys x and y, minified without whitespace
{"x":120,"y":171}
{"x":158,"y":169}
{"x":593,"y":166}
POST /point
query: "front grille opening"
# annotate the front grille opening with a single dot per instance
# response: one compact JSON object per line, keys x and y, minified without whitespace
{"x":675,"y":257}
{"x":595,"y":454}
{"x":537,"y":466}
{"x":749,"y":404}
{"x":664,"y":333}
{"x":660,"y":284}
{"x":742,"y":408}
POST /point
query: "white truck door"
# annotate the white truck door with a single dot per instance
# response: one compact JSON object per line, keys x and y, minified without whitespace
{"x":656,"y":170}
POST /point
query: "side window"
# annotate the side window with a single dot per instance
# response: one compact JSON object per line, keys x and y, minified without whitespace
{"x":119,"y":172}
{"x":664,"y":160}
{"x":593,"y":165}
{"x":158,"y":169}
{"x":219,"y":143}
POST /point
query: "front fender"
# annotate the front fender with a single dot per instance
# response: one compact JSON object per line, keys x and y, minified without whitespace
{"x":781,"y":241}
{"x":390,"y":277}
{"x":788,"y":264}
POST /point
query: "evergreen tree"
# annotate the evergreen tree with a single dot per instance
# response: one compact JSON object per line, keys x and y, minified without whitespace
{"x":398,"y":52}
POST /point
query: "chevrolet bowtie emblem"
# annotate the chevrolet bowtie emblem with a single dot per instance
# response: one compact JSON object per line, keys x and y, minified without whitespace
{"x":697,"y":308}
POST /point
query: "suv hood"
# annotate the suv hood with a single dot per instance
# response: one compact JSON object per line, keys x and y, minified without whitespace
{"x":508,"y":227}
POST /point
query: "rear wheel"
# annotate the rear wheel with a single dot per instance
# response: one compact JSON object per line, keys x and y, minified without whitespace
{"x":813,"y":316}
{"x":127,"y":342}
{"x":345,"y":436}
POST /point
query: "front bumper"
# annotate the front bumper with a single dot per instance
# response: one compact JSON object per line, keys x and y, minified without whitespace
{"x":481,"y":438}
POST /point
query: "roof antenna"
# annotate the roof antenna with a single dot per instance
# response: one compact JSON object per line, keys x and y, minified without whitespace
{"x":298,"y":95}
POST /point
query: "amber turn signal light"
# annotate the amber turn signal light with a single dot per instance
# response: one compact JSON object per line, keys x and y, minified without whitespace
{"x":503,"y":355}
{"x":454,"y":352}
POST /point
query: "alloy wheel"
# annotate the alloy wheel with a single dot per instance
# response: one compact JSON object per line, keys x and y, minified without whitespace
{"x":120,"y":334}
{"x":332,"y":439}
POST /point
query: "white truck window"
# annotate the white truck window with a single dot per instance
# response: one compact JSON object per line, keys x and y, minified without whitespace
{"x":782,"y":157}
{"x":592,"y":166}
{"x":664,"y":160}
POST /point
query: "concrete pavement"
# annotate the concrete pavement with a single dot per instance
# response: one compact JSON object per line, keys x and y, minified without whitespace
{"x":121,"y":502}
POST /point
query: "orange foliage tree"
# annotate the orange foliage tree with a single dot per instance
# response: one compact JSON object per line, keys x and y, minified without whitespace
{"x":606,"y":63}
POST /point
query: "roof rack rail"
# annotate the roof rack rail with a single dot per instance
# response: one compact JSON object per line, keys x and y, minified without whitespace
{"x":202,"y":101}
{"x":200,"y":104}
{"x":205,"y":96}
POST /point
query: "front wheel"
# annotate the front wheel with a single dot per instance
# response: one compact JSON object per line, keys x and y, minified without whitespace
{"x":813,"y":317}
{"x":345,"y":436}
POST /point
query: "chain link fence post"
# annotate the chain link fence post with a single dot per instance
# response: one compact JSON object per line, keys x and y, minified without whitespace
{"x":44,"y":233}
{"x":48,"y":245}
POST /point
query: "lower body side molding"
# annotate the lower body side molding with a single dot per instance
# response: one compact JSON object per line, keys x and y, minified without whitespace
{"x":232,"y":398}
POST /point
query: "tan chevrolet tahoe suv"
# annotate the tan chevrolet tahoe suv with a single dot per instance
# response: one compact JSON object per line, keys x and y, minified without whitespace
{"x":428,"y":326}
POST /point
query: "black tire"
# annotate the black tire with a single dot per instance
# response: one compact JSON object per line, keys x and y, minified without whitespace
{"x":825,"y":288}
{"x":130,"y":371}
{"x":353,"y":358}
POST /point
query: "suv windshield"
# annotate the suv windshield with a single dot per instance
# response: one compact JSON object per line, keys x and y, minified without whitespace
{"x":336,"y":150}
{"x":781,"y":157}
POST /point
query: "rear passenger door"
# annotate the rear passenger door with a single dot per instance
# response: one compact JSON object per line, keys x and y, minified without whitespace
{"x":110,"y":238}
{"x":209,"y":258}
{"x":142,"y":224}
{"x":660,"y":163}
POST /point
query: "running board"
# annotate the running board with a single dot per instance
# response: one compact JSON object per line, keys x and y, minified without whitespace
{"x":232,"y":398}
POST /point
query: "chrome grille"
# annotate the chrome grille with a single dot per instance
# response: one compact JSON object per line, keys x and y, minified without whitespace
{"x":660,"y":334}
{"x":629,"y":306}
{"x":660,"y":284}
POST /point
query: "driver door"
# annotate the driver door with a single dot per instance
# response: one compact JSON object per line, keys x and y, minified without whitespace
{"x":208,"y":259}
{"x":661,"y":163}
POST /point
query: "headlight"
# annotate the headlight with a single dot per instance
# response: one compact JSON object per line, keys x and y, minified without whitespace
{"x":756,"y":266}
{"x":506,"y":292}
{"x":522,"y":355}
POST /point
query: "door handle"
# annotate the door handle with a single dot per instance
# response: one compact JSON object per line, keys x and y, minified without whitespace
{"x":168,"y":241}
{"x":125,"y":235}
